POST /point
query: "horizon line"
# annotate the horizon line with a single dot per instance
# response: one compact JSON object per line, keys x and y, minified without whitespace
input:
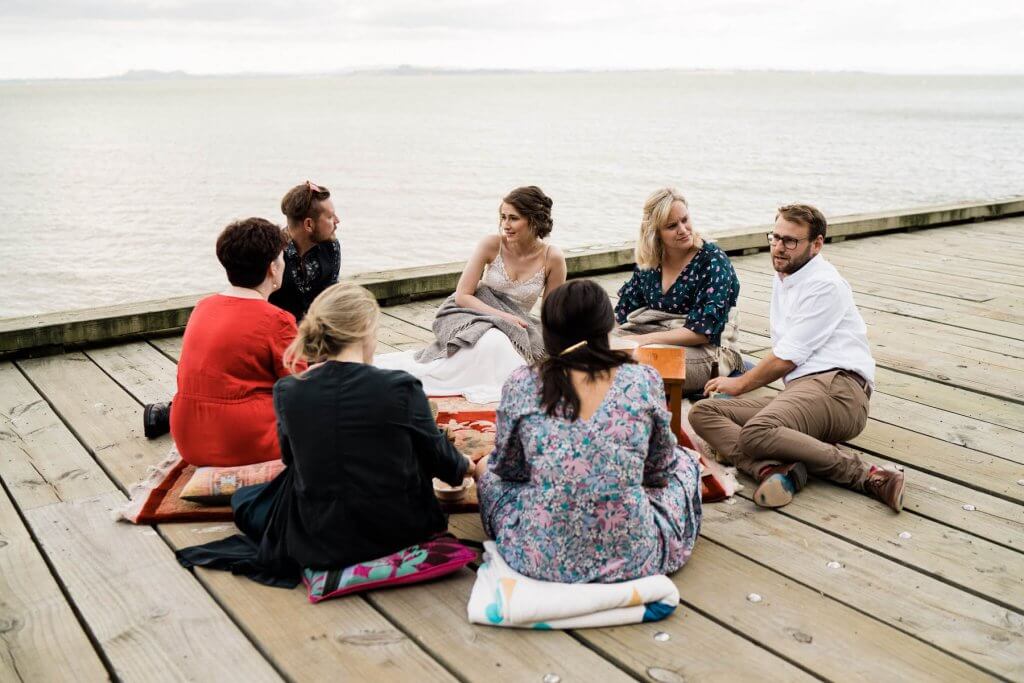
{"x":409,"y":69}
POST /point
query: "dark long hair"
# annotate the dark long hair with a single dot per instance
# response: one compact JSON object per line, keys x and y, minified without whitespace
{"x":578,"y":311}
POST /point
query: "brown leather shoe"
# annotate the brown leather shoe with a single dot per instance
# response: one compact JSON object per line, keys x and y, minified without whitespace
{"x":779,"y":484}
{"x":887,"y":486}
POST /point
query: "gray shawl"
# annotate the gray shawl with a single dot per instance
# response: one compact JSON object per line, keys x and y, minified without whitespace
{"x":645,"y":320}
{"x":458,"y":328}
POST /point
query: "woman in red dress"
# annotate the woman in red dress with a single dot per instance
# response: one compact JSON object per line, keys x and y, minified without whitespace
{"x":232,"y":353}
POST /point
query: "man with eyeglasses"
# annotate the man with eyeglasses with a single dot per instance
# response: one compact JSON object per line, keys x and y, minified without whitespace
{"x":312,"y":258}
{"x":820,"y":350}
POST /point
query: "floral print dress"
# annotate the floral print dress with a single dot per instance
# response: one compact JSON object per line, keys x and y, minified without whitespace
{"x":704,"y":292}
{"x":606,"y":499}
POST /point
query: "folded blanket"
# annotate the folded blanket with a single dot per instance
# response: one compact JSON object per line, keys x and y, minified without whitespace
{"x":458,"y":328}
{"x":502,"y":597}
{"x":645,"y":320}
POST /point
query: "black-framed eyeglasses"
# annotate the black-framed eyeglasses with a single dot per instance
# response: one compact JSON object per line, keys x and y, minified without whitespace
{"x":789,"y":243}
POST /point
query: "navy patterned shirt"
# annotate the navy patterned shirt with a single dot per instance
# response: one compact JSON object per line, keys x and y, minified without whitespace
{"x":704,"y":292}
{"x":306,"y":276}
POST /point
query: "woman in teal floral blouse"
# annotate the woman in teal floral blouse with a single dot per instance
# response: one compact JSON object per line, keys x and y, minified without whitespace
{"x":681,"y":291}
{"x":586,"y":483}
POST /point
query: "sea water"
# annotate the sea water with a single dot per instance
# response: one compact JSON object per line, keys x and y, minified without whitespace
{"x":114,"y":191}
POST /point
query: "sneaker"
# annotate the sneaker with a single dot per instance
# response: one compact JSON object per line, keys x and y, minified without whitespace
{"x":156,"y":419}
{"x":779,"y":484}
{"x":887,"y":486}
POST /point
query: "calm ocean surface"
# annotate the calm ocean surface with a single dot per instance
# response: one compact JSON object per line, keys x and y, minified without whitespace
{"x":114,"y":191}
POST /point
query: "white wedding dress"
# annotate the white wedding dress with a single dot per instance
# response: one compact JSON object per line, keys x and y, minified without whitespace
{"x":478,"y":372}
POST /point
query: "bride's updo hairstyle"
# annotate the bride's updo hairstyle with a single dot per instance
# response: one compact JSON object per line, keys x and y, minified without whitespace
{"x":534,"y":206}
{"x":576,"y":319}
{"x":341,"y":315}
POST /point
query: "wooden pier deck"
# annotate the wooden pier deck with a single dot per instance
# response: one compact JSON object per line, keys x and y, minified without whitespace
{"x":849,"y":590}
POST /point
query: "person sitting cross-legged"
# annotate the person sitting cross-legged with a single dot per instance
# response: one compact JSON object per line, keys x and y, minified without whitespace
{"x":586,"y":483}
{"x":820,"y":350}
{"x":360,"y":448}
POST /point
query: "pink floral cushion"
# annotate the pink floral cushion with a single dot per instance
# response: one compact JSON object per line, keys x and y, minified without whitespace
{"x":431,"y":559}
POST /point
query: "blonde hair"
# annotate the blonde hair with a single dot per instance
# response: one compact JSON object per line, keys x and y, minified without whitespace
{"x":649,"y":249}
{"x":341,"y":315}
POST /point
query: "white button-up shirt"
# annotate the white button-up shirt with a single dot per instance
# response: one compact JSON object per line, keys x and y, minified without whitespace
{"x":815,"y":323}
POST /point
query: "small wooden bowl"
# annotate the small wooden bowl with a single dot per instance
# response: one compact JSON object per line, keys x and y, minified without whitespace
{"x":452,"y":494}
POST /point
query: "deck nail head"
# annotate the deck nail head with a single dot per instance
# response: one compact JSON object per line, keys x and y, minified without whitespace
{"x":1020,"y":482}
{"x":969,"y":507}
{"x":662,"y":637}
{"x":753,"y":597}
{"x":551,"y":678}
{"x":905,"y":535}
{"x":834,"y":565}
{"x":932,"y":488}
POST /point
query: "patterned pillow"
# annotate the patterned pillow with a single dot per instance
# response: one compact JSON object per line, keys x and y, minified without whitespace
{"x":437,"y":557}
{"x":214,"y":485}
{"x":475,"y":438}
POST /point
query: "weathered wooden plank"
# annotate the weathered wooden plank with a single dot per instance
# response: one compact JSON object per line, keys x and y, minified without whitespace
{"x":968,"y":328}
{"x":751,"y":270}
{"x":435,"y":615}
{"x":109,"y":420}
{"x":951,"y":399}
{"x":697,"y":648}
{"x":986,"y":516}
{"x":959,"y":430}
{"x":40,"y":461}
{"x":40,"y":638}
{"x":976,"y":630}
{"x":911,"y":258}
{"x":922,"y":356}
{"x":960,"y":559}
{"x":151,"y":618}
{"x":148,"y":376}
{"x":169,"y":346}
{"x":342,"y":639}
{"x":801,"y":624}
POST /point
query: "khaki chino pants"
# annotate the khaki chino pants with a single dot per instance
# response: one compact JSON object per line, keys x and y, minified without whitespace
{"x":800,"y":424}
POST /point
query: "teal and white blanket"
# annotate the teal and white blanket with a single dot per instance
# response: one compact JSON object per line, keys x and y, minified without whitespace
{"x":503,"y":597}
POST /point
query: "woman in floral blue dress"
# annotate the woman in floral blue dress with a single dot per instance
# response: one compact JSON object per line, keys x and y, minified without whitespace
{"x":681,"y":292}
{"x":586,"y":483}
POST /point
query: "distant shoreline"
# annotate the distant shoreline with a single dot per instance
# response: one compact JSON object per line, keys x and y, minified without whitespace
{"x":149,"y":75}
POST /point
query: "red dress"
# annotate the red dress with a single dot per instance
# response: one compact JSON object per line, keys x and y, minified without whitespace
{"x":231,"y":355}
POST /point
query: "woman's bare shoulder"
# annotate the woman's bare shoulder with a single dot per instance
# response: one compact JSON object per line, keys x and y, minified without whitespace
{"x":555,"y":254}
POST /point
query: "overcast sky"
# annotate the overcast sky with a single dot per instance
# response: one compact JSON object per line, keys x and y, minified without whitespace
{"x":90,"y":38}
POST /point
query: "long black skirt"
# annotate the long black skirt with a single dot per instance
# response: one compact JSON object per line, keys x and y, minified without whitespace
{"x":258,"y":551}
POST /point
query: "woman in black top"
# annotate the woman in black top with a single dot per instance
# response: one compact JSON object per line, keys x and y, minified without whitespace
{"x":360,"y":448}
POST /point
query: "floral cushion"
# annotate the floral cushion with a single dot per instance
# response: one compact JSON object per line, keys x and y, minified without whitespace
{"x":215,"y":485}
{"x":439,"y":556}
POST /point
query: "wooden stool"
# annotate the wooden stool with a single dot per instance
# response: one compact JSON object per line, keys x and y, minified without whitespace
{"x":670,"y":362}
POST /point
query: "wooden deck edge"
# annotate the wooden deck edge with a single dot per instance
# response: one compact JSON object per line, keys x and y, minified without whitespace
{"x":50,"y":333}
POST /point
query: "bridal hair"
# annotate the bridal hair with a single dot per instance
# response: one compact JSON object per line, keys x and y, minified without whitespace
{"x":649,"y":250}
{"x":341,"y":315}
{"x":576,"y":319}
{"x":535,"y":206}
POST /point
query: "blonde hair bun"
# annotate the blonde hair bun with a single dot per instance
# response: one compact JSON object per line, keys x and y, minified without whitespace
{"x":343,"y":314}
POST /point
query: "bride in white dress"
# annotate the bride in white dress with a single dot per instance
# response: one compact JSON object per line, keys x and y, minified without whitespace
{"x":519,"y":264}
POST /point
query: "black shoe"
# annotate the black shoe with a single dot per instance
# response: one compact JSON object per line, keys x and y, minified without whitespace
{"x":156,"y":419}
